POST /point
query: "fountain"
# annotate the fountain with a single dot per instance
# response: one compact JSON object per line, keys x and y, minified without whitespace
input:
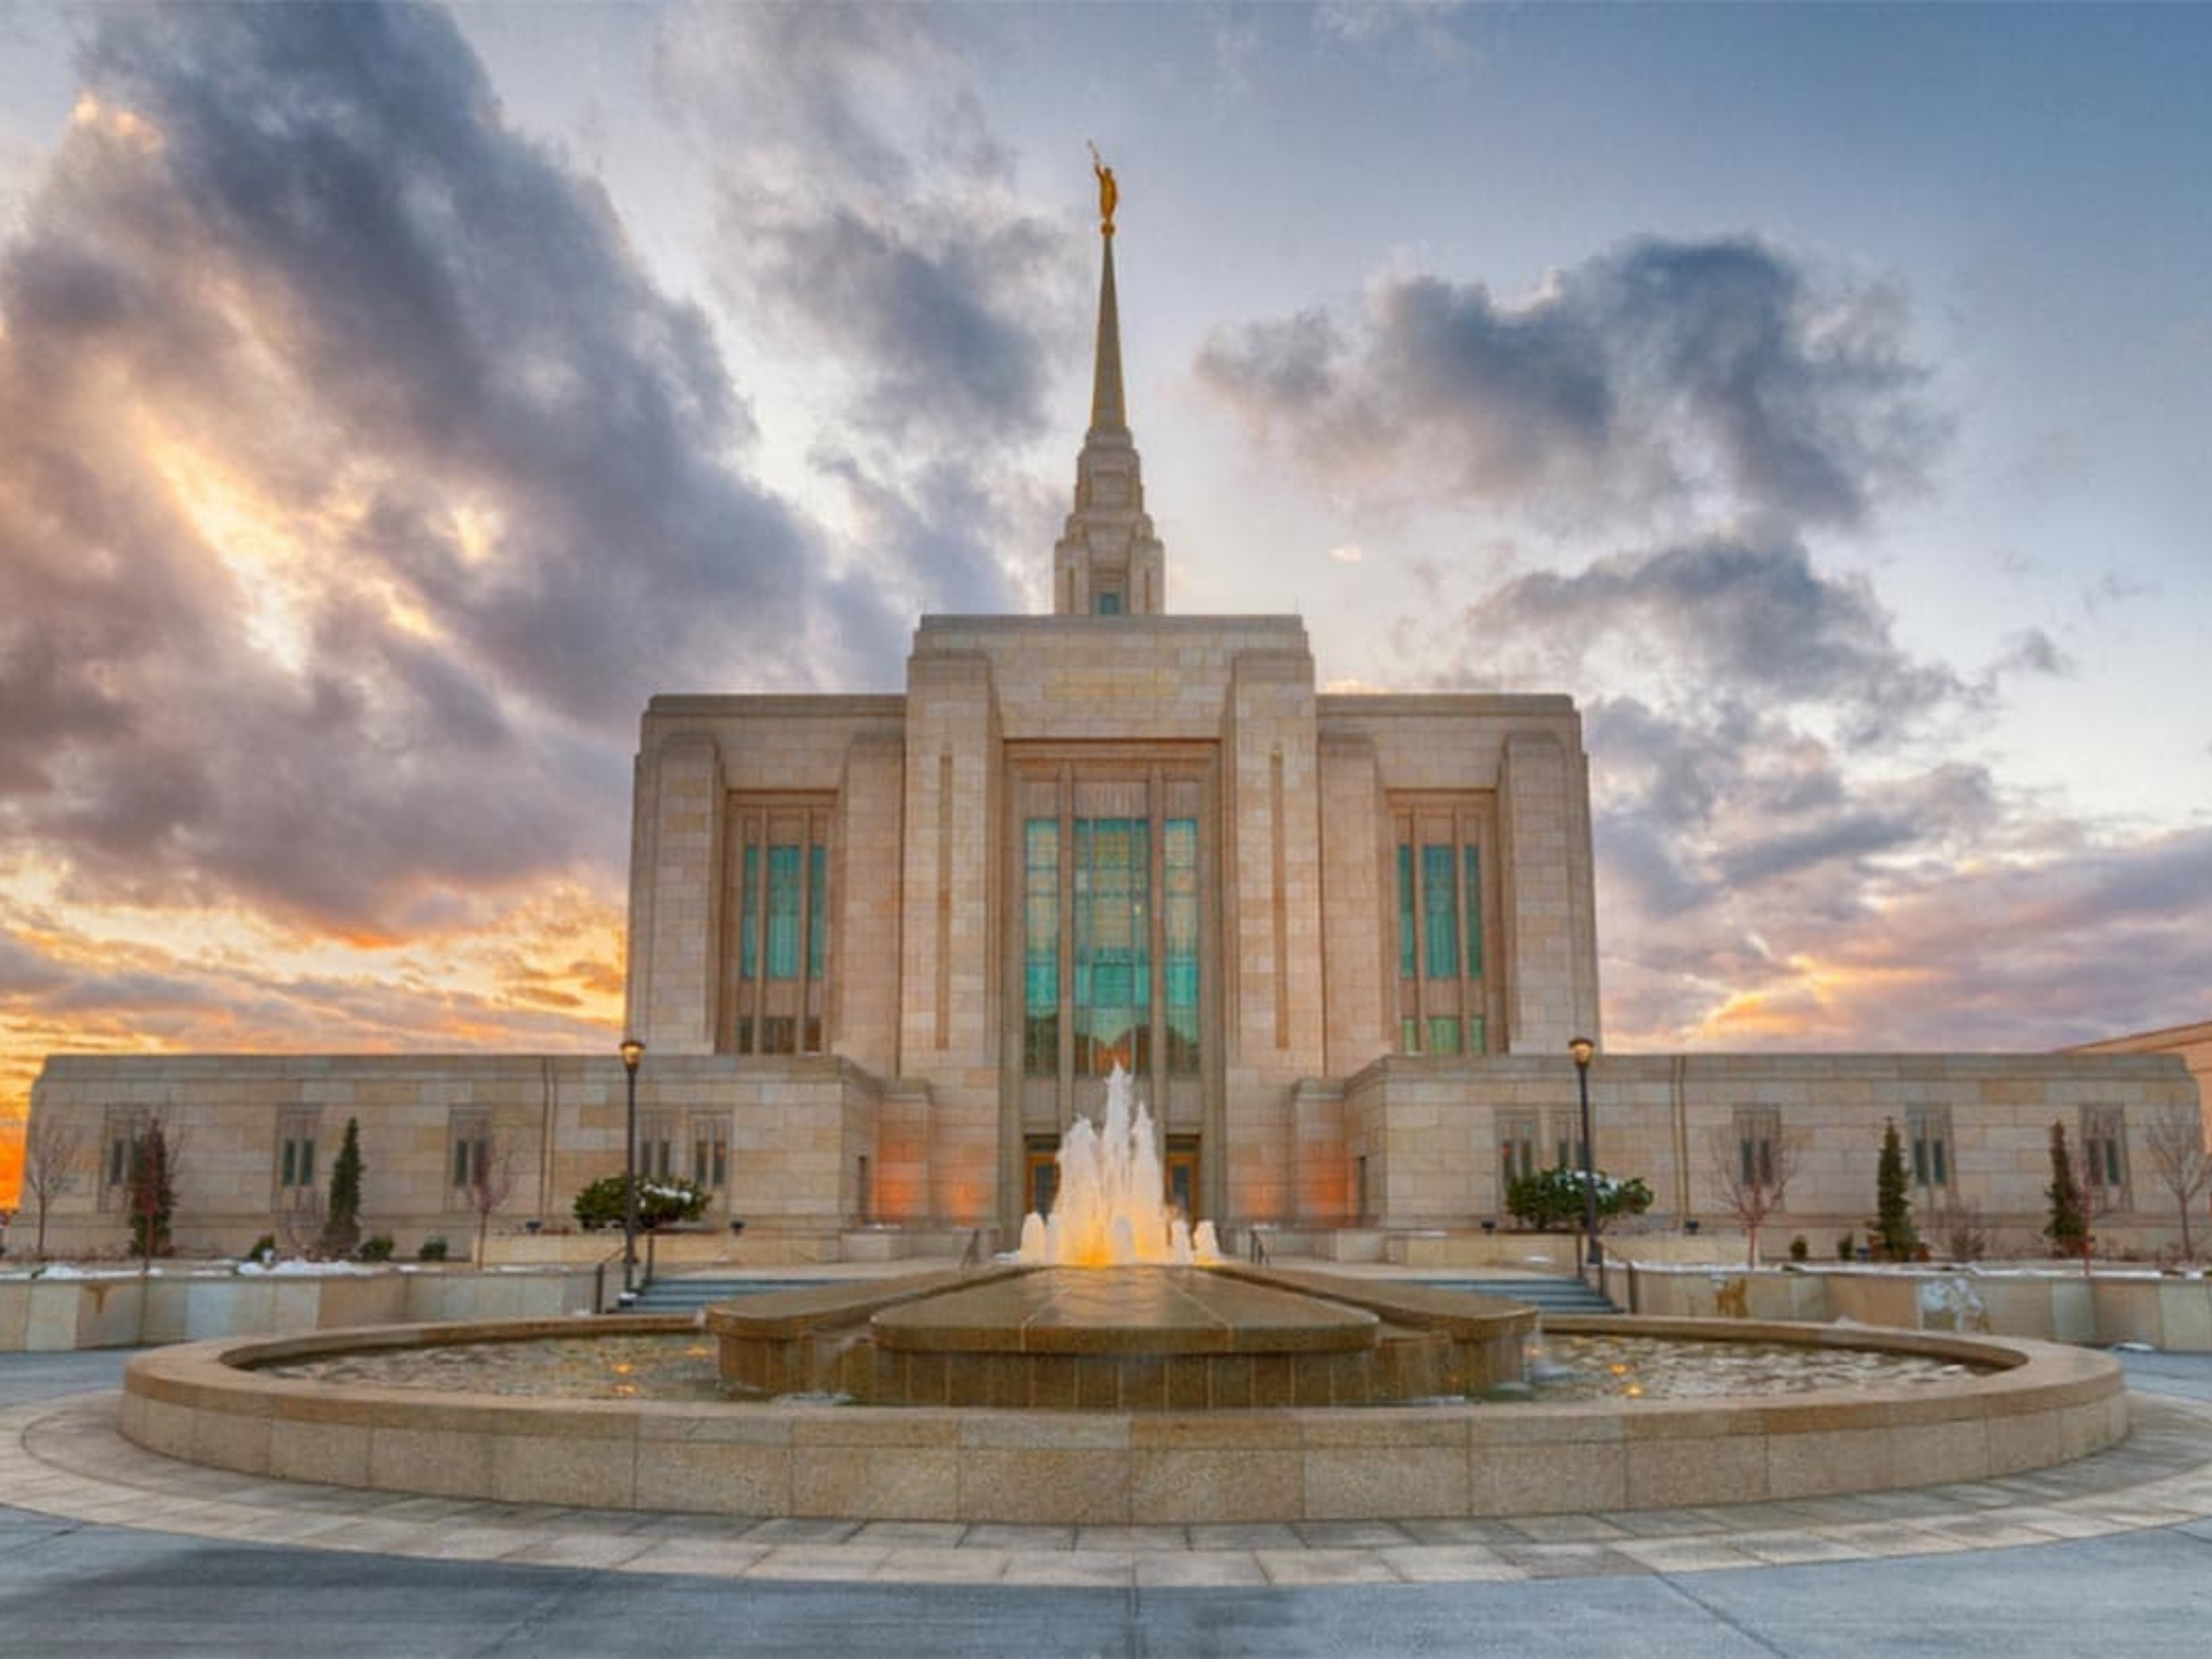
{"x":1163,"y":1386}
{"x":1111,"y":1208}
{"x":1113,"y":1303}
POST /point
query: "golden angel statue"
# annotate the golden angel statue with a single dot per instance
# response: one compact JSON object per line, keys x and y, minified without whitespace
{"x":1109,"y":192}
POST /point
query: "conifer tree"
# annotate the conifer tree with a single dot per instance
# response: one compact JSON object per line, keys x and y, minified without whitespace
{"x":149,"y":1190}
{"x":341,"y":1220}
{"x":2068,"y":1227}
{"x":1892,"y":1202}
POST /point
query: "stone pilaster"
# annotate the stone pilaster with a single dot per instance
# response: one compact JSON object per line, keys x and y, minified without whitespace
{"x":675,"y":887}
{"x":1552,"y":973}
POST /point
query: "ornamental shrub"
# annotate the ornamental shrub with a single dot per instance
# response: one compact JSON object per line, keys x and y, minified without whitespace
{"x":1551,"y":1200}
{"x":376,"y":1249}
{"x":434,"y":1248}
{"x":2067,"y":1229}
{"x":341,"y":1215}
{"x":150,"y":1191}
{"x":1892,"y":1200}
{"x":661,"y":1199}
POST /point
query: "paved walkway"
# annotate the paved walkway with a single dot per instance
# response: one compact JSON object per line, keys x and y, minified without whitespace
{"x":108,"y":1548}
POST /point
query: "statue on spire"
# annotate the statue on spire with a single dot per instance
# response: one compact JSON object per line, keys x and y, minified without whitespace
{"x":1109,"y":192}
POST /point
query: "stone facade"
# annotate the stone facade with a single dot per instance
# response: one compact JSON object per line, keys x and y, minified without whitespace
{"x":1299,"y":800}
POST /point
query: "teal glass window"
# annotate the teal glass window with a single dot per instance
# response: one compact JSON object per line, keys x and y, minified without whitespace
{"x":1040,"y":948}
{"x":1440,"y":912}
{"x":783,"y":912}
{"x":1444,"y":1034}
{"x":1109,"y":604}
{"x":1406,"y":914}
{"x":1478,"y":1034}
{"x":749,"y":921}
{"x":1180,"y":859}
{"x":1474,"y":913}
{"x":817,"y":907}
{"x":1112,"y":966}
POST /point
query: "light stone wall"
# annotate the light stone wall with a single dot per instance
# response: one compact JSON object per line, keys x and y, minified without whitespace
{"x":2172,"y":1314}
{"x":1428,"y":1131}
{"x":57,"y":1315}
{"x":1358,"y":1022}
{"x":863,"y":1008}
{"x":694,"y":753}
{"x":797,"y":1129}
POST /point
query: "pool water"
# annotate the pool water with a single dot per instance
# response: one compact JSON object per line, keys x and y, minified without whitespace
{"x":1560,"y":1369}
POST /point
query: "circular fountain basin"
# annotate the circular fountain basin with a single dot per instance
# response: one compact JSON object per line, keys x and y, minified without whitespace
{"x":2046,"y":1404}
{"x":1131,"y":1338}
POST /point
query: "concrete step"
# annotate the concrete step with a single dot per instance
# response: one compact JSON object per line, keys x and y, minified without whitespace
{"x":689,"y":1294}
{"x":1546,"y":1294}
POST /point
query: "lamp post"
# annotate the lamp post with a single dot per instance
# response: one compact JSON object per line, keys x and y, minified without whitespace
{"x":1593,"y":1253}
{"x":632,"y":1051}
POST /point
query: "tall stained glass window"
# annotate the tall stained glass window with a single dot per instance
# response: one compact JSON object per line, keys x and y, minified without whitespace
{"x":1474,"y":912}
{"x":1181,"y":859}
{"x":1440,"y":912}
{"x":749,"y":915}
{"x":1405,"y":910}
{"x":1040,"y":948}
{"x":783,"y":912}
{"x":1441,"y":994}
{"x":1112,"y":966}
{"x":817,"y":906}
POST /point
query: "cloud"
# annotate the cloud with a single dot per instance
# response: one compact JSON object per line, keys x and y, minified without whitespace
{"x":866,"y":208}
{"x":1726,"y":376}
{"x":1720,"y":618}
{"x":360,"y":484}
{"x":1432,"y":26}
{"x":1781,"y":864}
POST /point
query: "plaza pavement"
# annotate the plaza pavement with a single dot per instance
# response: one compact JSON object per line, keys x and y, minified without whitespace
{"x":107,"y":1549}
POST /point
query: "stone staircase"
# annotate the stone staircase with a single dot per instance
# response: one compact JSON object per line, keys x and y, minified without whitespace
{"x":1546,"y":1293}
{"x":689,"y":1293}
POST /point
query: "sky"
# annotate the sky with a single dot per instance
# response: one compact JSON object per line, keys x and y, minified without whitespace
{"x":392,"y":399}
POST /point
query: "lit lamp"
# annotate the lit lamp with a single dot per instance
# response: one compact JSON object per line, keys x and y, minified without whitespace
{"x":1593,"y":1253}
{"x":632,"y":1051}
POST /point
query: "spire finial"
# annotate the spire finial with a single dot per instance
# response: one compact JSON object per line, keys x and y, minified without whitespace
{"x":1110,"y":193}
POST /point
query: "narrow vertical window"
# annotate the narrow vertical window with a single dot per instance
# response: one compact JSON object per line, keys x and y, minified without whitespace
{"x":1929,"y":1127}
{"x":748,"y":923}
{"x":1040,"y":948}
{"x":1406,"y":914}
{"x":1474,"y":947}
{"x":1181,"y":861}
{"x":783,"y":912}
{"x":817,"y":907}
{"x":1440,"y":901}
{"x":1113,"y":960}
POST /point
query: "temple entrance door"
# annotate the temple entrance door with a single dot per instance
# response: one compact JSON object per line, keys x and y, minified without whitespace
{"x":1040,"y":1182}
{"x":1182,"y":1173}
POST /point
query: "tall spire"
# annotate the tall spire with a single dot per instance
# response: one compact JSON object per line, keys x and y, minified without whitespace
{"x":1109,"y":562}
{"x":1108,"y":412}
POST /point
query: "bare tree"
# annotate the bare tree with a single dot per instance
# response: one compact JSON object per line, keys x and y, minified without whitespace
{"x":1753,"y":1178}
{"x":492,"y":1180}
{"x":1960,"y":1229}
{"x":301,"y":1220}
{"x":51,"y":1152}
{"x":2175,"y":1139}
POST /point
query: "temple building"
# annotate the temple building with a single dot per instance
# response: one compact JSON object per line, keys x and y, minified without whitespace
{"x":884,"y":947}
{"x":1112,"y":836}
